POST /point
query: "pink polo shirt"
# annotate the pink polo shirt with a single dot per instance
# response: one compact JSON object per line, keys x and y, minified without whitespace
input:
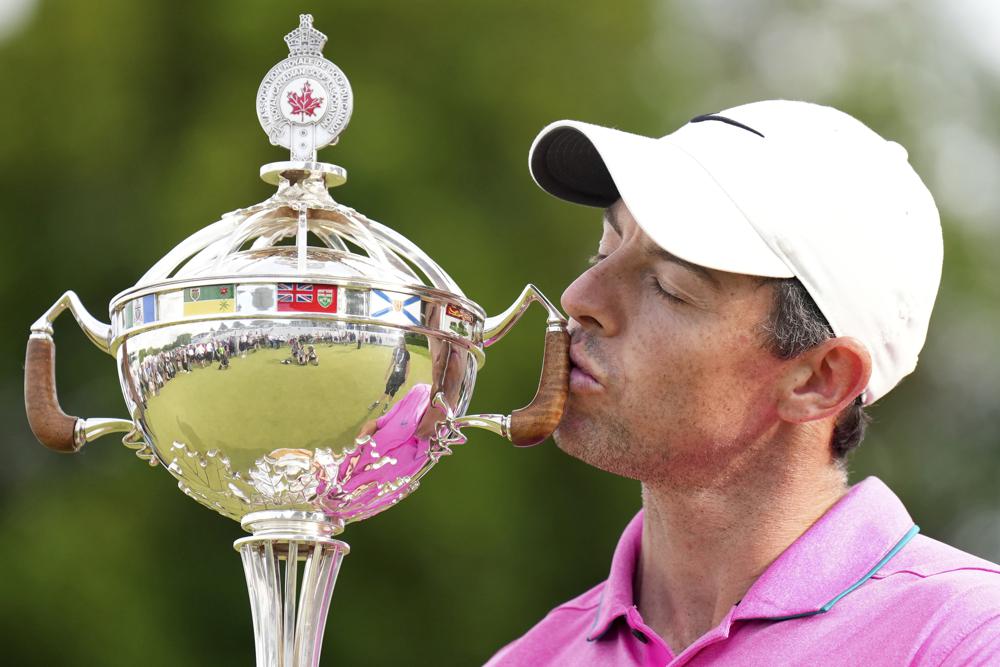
{"x":860,"y":587}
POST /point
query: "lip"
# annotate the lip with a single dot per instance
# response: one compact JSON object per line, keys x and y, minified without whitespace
{"x":582,"y":376}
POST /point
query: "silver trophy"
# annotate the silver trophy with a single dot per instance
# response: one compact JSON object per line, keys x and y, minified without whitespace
{"x":296,"y":365}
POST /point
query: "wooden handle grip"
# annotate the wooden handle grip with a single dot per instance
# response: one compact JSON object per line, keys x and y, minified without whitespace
{"x":536,"y":421}
{"x":53,"y":427}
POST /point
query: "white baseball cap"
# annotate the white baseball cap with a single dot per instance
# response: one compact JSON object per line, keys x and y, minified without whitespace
{"x":779,"y":189}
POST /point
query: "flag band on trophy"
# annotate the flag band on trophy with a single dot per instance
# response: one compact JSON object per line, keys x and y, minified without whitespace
{"x":395,"y":308}
{"x":209,"y":300}
{"x":306,"y":298}
{"x":383,"y":305}
{"x":458,"y":320}
{"x":140,"y":311}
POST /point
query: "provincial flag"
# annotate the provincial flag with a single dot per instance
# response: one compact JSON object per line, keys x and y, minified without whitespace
{"x":395,"y":308}
{"x":209,"y":300}
{"x":140,"y":311}
{"x":170,"y":305}
{"x":307,"y":298}
{"x":254,"y":298}
{"x":458,"y":321}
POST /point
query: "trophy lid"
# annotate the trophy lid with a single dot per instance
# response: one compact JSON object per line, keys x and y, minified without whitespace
{"x":300,"y":233}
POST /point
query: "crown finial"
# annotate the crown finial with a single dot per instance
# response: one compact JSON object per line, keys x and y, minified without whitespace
{"x":305,"y":40}
{"x":305,"y":101}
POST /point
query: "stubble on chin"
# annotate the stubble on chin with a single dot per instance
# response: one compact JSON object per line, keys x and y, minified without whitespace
{"x":603,"y":441}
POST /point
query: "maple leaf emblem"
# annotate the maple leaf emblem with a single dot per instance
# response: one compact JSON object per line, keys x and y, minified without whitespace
{"x":303,"y":103}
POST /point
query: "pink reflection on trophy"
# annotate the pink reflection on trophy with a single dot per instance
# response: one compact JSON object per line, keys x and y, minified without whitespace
{"x":391,"y":450}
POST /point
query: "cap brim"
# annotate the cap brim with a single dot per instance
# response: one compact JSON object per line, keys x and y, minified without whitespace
{"x":565,"y":163}
{"x":675,"y":201}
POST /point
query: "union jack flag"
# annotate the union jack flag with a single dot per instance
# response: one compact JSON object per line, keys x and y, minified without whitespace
{"x":295,"y":293}
{"x":306,"y":298}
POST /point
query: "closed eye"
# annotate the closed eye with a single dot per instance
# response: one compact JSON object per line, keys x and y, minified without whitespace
{"x":654,"y":281}
{"x":669,"y":296}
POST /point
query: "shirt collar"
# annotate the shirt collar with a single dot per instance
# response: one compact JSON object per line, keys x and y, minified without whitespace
{"x":617,"y":595}
{"x":845,"y":547}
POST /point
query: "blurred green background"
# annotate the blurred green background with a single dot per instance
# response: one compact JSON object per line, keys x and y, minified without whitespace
{"x":128,"y":125}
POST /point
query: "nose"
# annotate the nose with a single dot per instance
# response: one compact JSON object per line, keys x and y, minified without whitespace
{"x":589,"y":300}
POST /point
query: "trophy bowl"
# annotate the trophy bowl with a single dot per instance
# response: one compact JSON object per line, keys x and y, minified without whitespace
{"x":296,"y":366}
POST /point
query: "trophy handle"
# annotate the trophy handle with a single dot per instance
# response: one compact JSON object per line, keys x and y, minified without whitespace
{"x":536,"y":421}
{"x":50,"y":425}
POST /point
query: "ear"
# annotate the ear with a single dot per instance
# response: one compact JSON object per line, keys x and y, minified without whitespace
{"x":824,"y":380}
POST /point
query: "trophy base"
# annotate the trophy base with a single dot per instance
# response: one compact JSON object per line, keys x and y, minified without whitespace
{"x":289,"y":619}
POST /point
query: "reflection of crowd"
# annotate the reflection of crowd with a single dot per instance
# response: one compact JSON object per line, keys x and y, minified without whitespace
{"x":156,"y":370}
{"x":303,"y":347}
{"x":355,"y":337}
{"x":302,"y":353}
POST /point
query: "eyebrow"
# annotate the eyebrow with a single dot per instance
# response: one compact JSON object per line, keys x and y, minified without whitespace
{"x":611,"y":218}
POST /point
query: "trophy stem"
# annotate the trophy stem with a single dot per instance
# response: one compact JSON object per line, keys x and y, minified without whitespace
{"x":289,"y":618}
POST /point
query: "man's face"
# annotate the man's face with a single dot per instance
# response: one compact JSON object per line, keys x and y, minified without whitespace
{"x":670,"y":379}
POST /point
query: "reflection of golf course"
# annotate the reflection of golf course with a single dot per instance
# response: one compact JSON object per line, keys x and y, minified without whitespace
{"x":260,"y":404}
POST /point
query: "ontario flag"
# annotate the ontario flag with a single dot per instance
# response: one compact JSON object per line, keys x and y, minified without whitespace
{"x":307,"y":298}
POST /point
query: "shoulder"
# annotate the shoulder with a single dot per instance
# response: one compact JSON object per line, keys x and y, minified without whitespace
{"x":941,"y":566}
{"x":952,"y":596}
{"x":543,"y":642}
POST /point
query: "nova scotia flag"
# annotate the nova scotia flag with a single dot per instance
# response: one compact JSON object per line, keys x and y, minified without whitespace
{"x":395,"y":308}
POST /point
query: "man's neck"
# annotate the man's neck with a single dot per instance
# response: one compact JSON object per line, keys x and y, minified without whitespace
{"x":704,"y":546}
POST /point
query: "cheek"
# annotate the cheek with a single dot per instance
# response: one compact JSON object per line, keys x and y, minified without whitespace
{"x":662,"y":363}
{"x":696,"y":373}
{"x":734,"y":392}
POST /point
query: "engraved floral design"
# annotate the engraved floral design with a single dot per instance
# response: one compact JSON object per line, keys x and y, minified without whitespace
{"x":356,"y":484}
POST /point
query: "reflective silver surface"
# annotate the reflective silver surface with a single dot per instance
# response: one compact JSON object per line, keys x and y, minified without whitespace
{"x":320,"y":415}
{"x":286,"y":357}
{"x":96,"y":331}
{"x":289,"y":619}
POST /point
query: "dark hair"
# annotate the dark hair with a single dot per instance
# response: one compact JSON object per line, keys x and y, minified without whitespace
{"x":795,"y":325}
